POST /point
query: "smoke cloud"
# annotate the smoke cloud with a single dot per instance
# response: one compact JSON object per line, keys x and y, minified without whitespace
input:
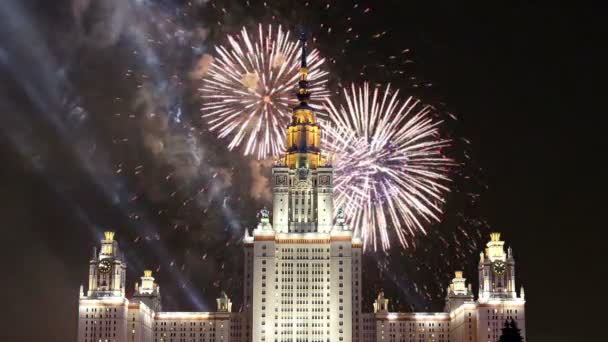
{"x":260,"y":181}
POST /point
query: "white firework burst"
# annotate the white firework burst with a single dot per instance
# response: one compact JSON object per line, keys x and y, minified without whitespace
{"x":391,"y":174}
{"x":249,"y":89}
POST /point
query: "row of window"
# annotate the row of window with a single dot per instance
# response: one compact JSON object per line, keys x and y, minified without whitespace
{"x":101,"y":309}
{"x":184,"y":329}
{"x":101,"y":322}
{"x":184,"y":323}
{"x":415,"y":324}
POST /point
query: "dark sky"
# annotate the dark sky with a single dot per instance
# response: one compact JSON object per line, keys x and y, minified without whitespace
{"x":519,"y":76}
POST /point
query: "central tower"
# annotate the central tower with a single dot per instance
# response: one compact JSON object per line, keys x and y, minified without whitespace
{"x":302,"y":269}
{"x":302,"y":180}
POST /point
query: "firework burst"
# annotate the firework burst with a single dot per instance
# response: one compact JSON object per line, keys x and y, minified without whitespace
{"x":391,"y":175}
{"x":248,"y":91}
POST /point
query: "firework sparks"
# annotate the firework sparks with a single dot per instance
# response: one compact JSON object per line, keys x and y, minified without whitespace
{"x":248,"y":91}
{"x":390,"y":172}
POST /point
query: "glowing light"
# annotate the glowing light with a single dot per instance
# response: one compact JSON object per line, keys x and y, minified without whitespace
{"x":109,"y":236}
{"x":249,"y":89}
{"x":391,"y":174}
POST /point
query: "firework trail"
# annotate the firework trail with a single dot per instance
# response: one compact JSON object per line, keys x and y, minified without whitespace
{"x":391,"y":175}
{"x":248,"y":91}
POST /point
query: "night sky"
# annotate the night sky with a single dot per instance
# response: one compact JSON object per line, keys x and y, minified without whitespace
{"x":79,"y":80}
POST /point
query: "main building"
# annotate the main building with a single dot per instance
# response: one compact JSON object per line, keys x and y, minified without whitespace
{"x":302,"y":278}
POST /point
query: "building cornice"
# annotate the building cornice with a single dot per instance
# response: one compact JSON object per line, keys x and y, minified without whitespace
{"x":192,"y":316}
{"x":104,"y":302}
{"x":413,"y":316}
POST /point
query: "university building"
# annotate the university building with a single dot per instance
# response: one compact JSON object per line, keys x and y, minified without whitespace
{"x":302,"y":276}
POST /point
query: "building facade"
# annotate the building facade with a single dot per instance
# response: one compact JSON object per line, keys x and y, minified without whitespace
{"x":302,"y":275}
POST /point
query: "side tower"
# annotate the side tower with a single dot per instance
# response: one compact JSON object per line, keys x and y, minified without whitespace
{"x":143,"y":308}
{"x":460,"y":304}
{"x":497,"y":302}
{"x":102,"y":311}
{"x":304,"y":268}
{"x":148,"y":292}
{"x":496,"y":271}
{"x":107,"y":270}
{"x":497,"y":299}
{"x":458,"y":293}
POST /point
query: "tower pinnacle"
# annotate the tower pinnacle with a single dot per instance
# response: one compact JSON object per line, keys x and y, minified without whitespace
{"x":303,"y":133}
{"x":303,"y":45}
{"x":303,"y":93}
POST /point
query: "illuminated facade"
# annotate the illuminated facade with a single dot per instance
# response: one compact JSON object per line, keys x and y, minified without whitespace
{"x":465,"y":319}
{"x":303,"y":271}
{"x":302,"y":276}
{"x":105,"y":314}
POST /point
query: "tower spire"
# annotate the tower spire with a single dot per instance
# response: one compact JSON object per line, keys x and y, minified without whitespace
{"x":303,"y":93}
{"x":303,"y":133}
{"x":303,"y":45}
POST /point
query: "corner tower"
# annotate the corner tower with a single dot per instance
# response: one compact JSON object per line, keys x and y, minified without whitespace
{"x":107,"y":270}
{"x":103,"y":309}
{"x":498,"y":299}
{"x":496,"y":271}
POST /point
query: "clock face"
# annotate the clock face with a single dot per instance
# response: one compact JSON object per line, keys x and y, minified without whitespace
{"x":303,"y":173}
{"x":105,"y":266}
{"x":498,"y":267}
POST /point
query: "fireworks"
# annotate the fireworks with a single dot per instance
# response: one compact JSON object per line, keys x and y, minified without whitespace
{"x":248,"y":91}
{"x":390,"y":172}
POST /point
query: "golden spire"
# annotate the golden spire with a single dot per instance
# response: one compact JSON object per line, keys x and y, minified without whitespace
{"x":303,"y":134}
{"x":303,"y":93}
{"x":147,"y":273}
